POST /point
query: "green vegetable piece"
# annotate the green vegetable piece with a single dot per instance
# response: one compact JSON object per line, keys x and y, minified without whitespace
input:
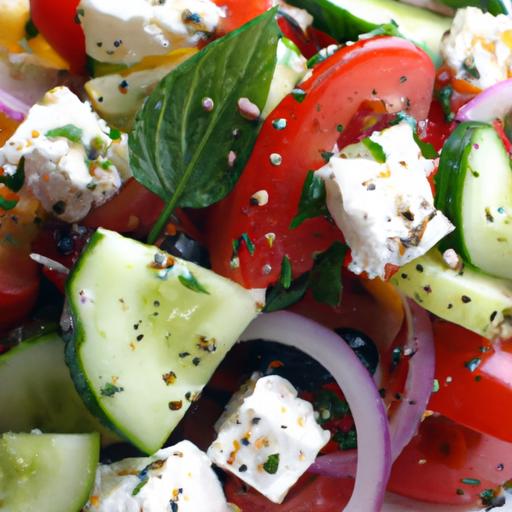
{"x":325,"y":281}
{"x":7,"y":204}
{"x":190,"y":281}
{"x":286,"y":273}
{"x":312,"y":201}
{"x":68,"y":131}
{"x":493,"y":6}
{"x":182,"y":147}
{"x":272,"y":464}
{"x":375,"y":150}
{"x":278,"y":297}
{"x":15,"y":181}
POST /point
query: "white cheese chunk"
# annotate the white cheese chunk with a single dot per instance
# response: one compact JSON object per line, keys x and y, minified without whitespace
{"x":385,"y":210}
{"x":302,"y":17}
{"x":269,"y":437}
{"x":126,"y":32}
{"x":479,"y":47}
{"x":178,"y":478}
{"x":68,"y":175}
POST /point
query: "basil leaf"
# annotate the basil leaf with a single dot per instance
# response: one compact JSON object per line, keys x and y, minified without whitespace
{"x":427,"y":150}
{"x":68,"y":131}
{"x":493,"y":6}
{"x":312,"y":200}
{"x":334,"y":20}
{"x":7,"y":204}
{"x":278,"y":297}
{"x":15,"y":181}
{"x":190,"y":281}
{"x":286,"y":273}
{"x":375,"y":150}
{"x":325,"y":280}
{"x":190,"y":143}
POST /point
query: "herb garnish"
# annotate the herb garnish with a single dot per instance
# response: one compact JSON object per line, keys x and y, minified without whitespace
{"x":110,"y":389}
{"x":15,"y":181}
{"x":375,"y":150}
{"x":312,"y":200}
{"x":68,"y":131}
{"x":190,"y":281}
{"x":179,"y":150}
{"x":272,"y":464}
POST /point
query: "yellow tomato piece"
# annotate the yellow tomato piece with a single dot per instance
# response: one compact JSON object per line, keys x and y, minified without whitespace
{"x":41,"y":48}
{"x":7,"y":128}
{"x":155,"y":61}
{"x":14,"y":15}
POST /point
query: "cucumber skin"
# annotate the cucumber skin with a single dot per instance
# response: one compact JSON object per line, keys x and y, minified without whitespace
{"x":72,"y":357}
{"x":495,"y":7}
{"x":449,"y":181}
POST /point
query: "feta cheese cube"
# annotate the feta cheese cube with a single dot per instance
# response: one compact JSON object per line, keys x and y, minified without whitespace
{"x":176,"y":478}
{"x":479,"y":47}
{"x":385,"y":210}
{"x":66,"y":150}
{"x":269,"y":437}
{"x":126,"y":32}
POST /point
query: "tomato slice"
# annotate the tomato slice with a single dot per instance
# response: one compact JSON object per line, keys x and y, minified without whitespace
{"x":386,"y":68}
{"x":55,"y":19}
{"x":318,"y":493}
{"x":238,"y":13}
{"x":475,"y":380}
{"x":135,"y":208}
{"x":19,"y":284}
{"x":448,"y":463}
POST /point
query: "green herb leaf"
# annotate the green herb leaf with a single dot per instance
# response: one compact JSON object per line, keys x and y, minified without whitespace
{"x":272,"y":464}
{"x":325,"y":280}
{"x":31,"y":30}
{"x":115,"y":134}
{"x":329,"y":406}
{"x":190,"y":281}
{"x":110,"y":389}
{"x":404,"y":116}
{"x":7,"y":204}
{"x":427,"y":150}
{"x":312,"y":200}
{"x":190,"y":143}
{"x":139,"y":486}
{"x":15,"y":181}
{"x":68,"y":131}
{"x":286,"y":273}
{"x":375,"y":150}
{"x":346,"y":440}
{"x":278,"y":297}
{"x":386,"y":29}
{"x":444,"y":96}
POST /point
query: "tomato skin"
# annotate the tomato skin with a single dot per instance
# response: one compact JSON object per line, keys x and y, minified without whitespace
{"x":55,"y":19}
{"x":19,"y":285}
{"x":480,"y":399}
{"x":442,"y":454}
{"x":333,"y":96}
{"x":135,"y":208}
{"x":318,"y":493}
{"x":238,"y":13}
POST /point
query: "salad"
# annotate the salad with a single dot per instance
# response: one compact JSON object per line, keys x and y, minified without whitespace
{"x":255,"y":255}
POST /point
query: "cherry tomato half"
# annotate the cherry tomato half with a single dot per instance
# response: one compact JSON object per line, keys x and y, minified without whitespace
{"x":393,"y":70}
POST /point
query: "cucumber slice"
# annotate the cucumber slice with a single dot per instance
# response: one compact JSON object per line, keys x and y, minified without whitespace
{"x":475,"y":192}
{"x":147,"y":339}
{"x":345,"y":20}
{"x":36,"y":391}
{"x":47,"y":472}
{"x":493,"y":6}
{"x":478,"y":302}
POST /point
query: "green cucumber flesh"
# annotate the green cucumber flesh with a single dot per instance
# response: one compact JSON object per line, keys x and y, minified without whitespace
{"x":475,"y":192}
{"x":37,"y":392}
{"x":345,"y":20}
{"x":144,"y":343}
{"x":469,"y":298}
{"x":47,"y":472}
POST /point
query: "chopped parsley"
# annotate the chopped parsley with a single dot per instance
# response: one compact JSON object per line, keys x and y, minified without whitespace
{"x":110,"y":389}
{"x":272,"y":464}
{"x":190,"y":281}
{"x":68,"y":131}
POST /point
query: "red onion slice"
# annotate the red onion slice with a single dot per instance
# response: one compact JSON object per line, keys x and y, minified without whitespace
{"x":418,"y":388}
{"x":12,"y":107}
{"x":374,"y":454}
{"x":492,"y":103}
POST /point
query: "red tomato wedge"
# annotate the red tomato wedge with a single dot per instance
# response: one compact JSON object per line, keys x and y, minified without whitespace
{"x":448,"y":463}
{"x":19,"y":284}
{"x":310,"y":493}
{"x":386,"y":68}
{"x":475,"y":380}
{"x":55,"y":19}
{"x":238,"y":13}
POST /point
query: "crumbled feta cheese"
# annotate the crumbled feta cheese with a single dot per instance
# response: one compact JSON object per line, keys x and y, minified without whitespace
{"x":268,"y":437}
{"x":479,"y":47}
{"x":302,"y":17}
{"x":66,"y":150}
{"x":126,"y":32}
{"x":385,"y":210}
{"x":179,"y":475}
